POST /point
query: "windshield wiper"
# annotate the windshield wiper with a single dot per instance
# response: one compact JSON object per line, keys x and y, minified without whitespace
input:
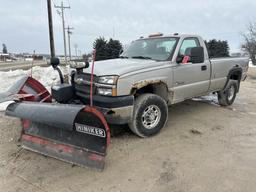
{"x":141,"y":57}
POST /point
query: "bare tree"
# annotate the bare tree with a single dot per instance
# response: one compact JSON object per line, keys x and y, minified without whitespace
{"x":250,"y":41}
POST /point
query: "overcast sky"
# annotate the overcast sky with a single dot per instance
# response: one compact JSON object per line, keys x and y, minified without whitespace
{"x":24,"y":24}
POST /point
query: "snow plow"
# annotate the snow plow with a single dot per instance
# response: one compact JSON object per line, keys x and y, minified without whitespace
{"x":57,"y":125}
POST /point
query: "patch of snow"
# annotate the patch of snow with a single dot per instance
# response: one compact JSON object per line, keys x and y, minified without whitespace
{"x":211,"y":99}
{"x":4,"y":105}
{"x":251,"y":65}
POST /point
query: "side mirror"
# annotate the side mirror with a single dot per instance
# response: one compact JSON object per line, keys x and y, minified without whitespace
{"x":54,"y":62}
{"x":197,"y":55}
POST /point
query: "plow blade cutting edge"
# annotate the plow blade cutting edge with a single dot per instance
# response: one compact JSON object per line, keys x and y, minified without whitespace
{"x":72,"y":133}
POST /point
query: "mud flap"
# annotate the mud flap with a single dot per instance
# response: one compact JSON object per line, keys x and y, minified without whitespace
{"x":72,"y":133}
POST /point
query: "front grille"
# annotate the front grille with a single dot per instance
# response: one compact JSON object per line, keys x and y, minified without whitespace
{"x":87,"y":76}
{"x":83,"y":88}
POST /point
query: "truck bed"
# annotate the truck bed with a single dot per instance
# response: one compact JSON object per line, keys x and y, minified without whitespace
{"x":222,"y":66}
{"x":226,"y":63}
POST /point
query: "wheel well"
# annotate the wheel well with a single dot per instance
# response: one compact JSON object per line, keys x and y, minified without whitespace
{"x":236,"y":75}
{"x":159,"y":89}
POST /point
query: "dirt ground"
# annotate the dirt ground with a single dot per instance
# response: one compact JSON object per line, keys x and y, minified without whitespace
{"x":203,"y":148}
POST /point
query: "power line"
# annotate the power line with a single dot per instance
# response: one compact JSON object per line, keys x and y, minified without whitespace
{"x":68,"y":15}
{"x":69,"y":30}
{"x":53,"y":3}
{"x":66,"y":19}
{"x":69,"y":2}
{"x":62,"y":8}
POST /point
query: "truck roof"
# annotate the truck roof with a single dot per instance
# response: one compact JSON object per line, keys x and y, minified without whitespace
{"x":161,"y":35}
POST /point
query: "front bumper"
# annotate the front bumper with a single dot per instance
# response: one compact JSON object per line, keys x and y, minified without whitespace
{"x":117,"y":110}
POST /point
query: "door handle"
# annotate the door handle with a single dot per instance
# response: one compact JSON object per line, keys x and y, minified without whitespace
{"x":180,"y":83}
{"x":203,"y":68}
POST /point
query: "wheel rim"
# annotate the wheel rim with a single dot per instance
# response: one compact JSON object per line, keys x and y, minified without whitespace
{"x":231,"y":92}
{"x":151,"y":116}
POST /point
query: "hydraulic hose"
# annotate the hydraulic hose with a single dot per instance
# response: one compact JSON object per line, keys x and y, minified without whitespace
{"x":91,"y":83}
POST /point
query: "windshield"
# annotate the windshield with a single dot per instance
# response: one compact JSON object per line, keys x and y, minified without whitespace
{"x":155,"y":48}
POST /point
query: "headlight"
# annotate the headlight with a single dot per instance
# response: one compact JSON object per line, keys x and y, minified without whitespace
{"x":110,"y":80}
{"x":107,"y":91}
{"x":107,"y":85}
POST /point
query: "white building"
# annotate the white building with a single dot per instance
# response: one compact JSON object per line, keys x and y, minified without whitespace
{"x":4,"y":56}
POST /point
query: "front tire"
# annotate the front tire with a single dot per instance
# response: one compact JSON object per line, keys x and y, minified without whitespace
{"x":149,"y":116}
{"x":227,"y":96}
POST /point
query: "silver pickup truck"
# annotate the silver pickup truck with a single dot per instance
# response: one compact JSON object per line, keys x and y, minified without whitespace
{"x":155,"y":72}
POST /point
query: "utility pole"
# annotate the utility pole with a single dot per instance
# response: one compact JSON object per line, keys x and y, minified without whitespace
{"x":69,"y":41}
{"x":62,"y":7}
{"x":76,"y":46}
{"x":49,"y":6}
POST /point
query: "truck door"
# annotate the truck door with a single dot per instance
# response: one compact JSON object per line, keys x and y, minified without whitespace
{"x":190,"y":79}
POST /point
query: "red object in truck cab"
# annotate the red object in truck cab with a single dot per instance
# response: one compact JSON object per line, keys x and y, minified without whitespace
{"x":185,"y":59}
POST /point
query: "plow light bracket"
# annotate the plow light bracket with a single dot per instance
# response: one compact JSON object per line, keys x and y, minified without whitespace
{"x":54,"y":62}
{"x":79,"y":64}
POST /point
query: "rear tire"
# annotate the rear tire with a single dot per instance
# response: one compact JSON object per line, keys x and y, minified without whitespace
{"x":149,"y":116}
{"x":227,"y":96}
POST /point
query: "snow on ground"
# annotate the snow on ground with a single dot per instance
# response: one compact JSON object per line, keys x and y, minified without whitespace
{"x":45,"y":75}
{"x":251,"y":65}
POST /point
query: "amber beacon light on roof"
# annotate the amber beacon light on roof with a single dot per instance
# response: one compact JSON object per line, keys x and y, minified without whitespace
{"x":156,"y":35}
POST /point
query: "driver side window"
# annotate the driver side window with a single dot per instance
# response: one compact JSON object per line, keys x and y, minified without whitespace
{"x":187,"y":44}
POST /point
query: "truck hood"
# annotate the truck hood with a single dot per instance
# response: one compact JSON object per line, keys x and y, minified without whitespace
{"x":121,"y":66}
